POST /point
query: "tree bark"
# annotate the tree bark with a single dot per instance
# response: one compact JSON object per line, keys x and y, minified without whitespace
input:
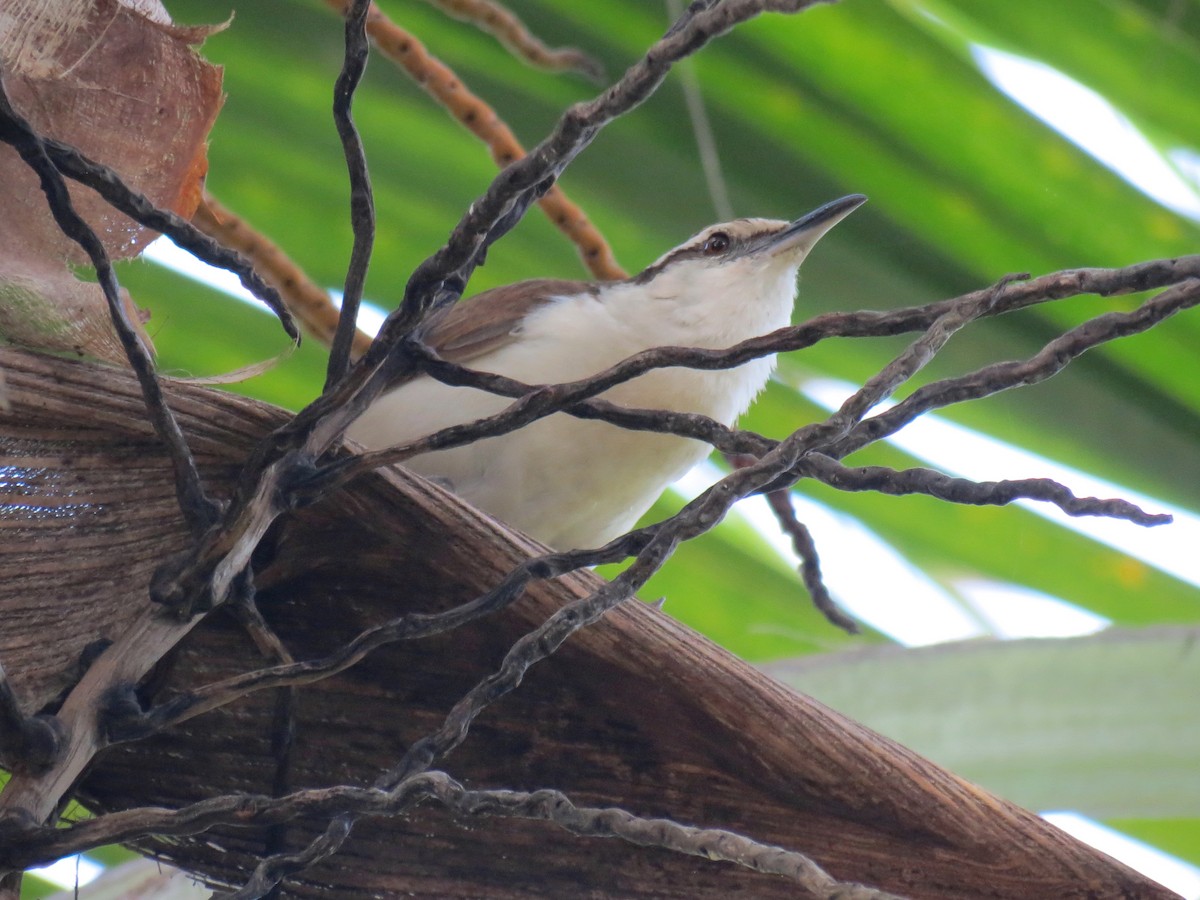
{"x":636,"y":711}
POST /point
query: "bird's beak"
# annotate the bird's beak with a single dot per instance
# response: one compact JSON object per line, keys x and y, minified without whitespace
{"x":803,"y":233}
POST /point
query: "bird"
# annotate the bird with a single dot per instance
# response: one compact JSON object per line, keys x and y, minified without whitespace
{"x":572,"y":483}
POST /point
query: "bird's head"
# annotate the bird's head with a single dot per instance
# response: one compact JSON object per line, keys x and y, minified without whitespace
{"x":749,"y":247}
{"x":746,"y":264}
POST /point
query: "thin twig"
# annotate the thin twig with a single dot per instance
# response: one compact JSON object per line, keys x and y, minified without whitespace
{"x":510,"y":31}
{"x":137,"y":206}
{"x":41,"y":844}
{"x":805,"y":547}
{"x":1003,"y":376}
{"x":440,"y":82}
{"x":303,"y":297}
{"x":362,"y":203}
{"x":410,"y":626}
{"x":283,"y":725}
{"x":283,"y":740}
{"x":975,"y":493}
{"x":707,"y":843}
{"x":265,"y":639}
{"x":198,"y":510}
{"x":915,"y":356}
{"x":534,"y":402}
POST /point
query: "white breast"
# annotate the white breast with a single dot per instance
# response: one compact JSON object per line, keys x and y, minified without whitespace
{"x":566,"y":481}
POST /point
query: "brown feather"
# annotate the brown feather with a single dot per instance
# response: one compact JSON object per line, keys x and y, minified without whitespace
{"x":487,"y":321}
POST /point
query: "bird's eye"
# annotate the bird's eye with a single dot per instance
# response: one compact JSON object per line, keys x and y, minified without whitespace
{"x":716,"y":243}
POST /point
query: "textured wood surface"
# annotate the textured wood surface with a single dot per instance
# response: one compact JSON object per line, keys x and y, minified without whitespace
{"x":637,"y":711}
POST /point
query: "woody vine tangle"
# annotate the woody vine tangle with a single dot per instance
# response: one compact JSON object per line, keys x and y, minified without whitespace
{"x":295,"y":467}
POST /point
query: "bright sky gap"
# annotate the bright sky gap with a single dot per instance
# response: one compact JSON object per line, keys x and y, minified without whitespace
{"x":1169,"y":871}
{"x":961,"y":451}
{"x":1093,"y":124}
{"x":165,"y":253}
{"x":69,"y":871}
{"x":889,"y":594}
{"x":873,"y":581}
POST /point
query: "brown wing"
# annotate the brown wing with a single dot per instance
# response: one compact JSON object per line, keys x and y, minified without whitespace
{"x":480,"y":324}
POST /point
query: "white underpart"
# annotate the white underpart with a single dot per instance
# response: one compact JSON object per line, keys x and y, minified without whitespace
{"x":575,"y":483}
